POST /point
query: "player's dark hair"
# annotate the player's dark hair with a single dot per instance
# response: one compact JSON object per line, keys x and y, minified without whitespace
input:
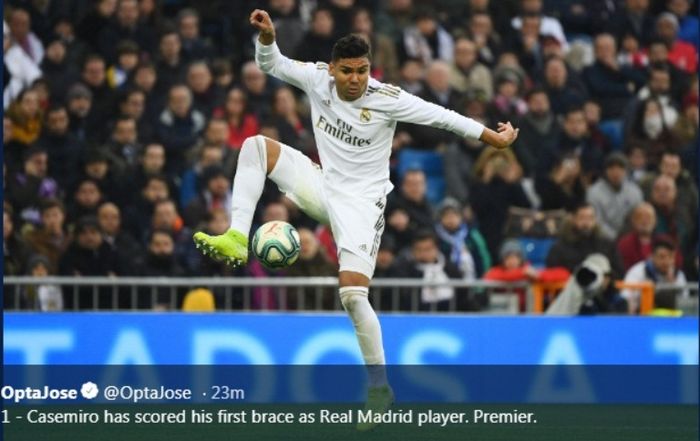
{"x":350,"y":46}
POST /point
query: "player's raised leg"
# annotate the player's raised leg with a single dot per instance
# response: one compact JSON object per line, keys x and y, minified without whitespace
{"x":257,"y":158}
{"x":354,"y":288}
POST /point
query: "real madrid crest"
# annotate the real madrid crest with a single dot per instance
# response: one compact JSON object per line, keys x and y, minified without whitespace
{"x":365,"y":116}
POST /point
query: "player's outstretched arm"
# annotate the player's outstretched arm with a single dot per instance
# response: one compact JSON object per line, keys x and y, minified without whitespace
{"x":261,"y":21}
{"x":503,"y":138}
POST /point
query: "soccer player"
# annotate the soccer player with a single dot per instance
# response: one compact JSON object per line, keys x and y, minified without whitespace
{"x":354,"y":118}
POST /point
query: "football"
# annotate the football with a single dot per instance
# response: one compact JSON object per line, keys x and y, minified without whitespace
{"x":276,"y":244}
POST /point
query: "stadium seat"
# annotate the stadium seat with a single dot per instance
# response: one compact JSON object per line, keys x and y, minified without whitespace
{"x":430,"y":163}
{"x":536,"y":250}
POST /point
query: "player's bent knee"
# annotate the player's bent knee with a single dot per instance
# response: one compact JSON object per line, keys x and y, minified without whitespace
{"x":253,"y":152}
{"x":351,"y":296}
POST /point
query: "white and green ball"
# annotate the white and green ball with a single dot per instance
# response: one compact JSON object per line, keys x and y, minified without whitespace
{"x":276,"y":244}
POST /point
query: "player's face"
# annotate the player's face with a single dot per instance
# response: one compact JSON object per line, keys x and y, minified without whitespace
{"x":351,"y":76}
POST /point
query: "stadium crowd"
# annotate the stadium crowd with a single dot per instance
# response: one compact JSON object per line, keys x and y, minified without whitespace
{"x":123,"y":119}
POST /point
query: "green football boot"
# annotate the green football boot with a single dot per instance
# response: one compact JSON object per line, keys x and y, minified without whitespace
{"x":230,"y":247}
{"x":379,"y":399}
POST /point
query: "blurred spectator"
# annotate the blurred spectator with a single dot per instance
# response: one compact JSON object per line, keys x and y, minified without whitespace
{"x":686,"y":188}
{"x":95,"y":21}
{"x":412,"y":200}
{"x":241,"y":122}
{"x":160,"y":258}
{"x":170,"y":65}
{"x":634,"y":18}
{"x":635,"y":246}
{"x":467,"y":74}
{"x":122,"y":71}
{"x":687,"y":126}
{"x":394,"y":17}
{"x":192,"y":179}
{"x":79,"y":102}
{"x":94,"y":76}
{"x":194,"y":47}
{"x":76,"y":48}
{"x":631,"y":54}
{"x":312,"y":262}
{"x":132,"y":104}
{"x":317,"y":43}
{"x":294,"y":129}
{"x":528,"y":42}
{"x":124,"y":147}
{"x":548,"y":26}
{"x":461,"y":242}
{"x":258,"y":89}
{"x":497,"y":187}
{"x":97,"y":168}
{"x":215,"y":193}
{"x":160,"y":261}
{"x":58,"y":70}
{"x":140,"y":209}
{"x":386,"y":255}
{"x":207,"y":95}
{"x":178,"y":126}
{"x":412,"y":74}
{"x":19,"y":70}
{"x":20,"y":25}
{"x":608,"y":82}
{"x":613,"y":196}
{"x":539,"y":131}
{"x":385,"y":63}
{"x":89,"y":255}
{"x":507,"y":102}
{"x":26,"y":189}
{"x":16,"y":250}
{"x":86,"y":198}
{"x":63,"y":148}
{"x":460,"y":156}
{"x":26,"y":116}
{"x":151,"y":162}
{"x":289,"y":28}
{"x":650,"y":131}
{"x":166,"y":217}
{"x":658,"y":59}
{"x":563,"y":186}
{"x":437,"y":90}
{"x":673,"y":218}
{"x":575,"y":139}
{"x":513,"y":267}
{"x":564,"y":91}
{"x":681,"y":54}
{"x":688,"y":23}
{"x":426,"y":262}
{"x":658,"y":268}
{"x":426,"y":39}
{"x":146,"y":79}
{"x":579,"y":237}
{"x":125,"y":246}
{"x":590,"y":290}
{"x":47,"y":298}
{"x":126,"y":27}
{"x":51,"y":238}
{"x":488,"y":43}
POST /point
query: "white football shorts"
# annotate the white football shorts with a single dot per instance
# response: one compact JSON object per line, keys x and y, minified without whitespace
{"x":357,"y":223}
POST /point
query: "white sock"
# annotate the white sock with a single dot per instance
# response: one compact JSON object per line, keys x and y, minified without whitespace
{"x":368,"y":331}
{"x":248,"y":183}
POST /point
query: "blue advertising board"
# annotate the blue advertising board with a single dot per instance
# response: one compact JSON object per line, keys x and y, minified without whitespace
{"x":305,"y":339}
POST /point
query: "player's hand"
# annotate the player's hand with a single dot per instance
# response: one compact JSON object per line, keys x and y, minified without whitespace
{"x":261,"y":21}
{"x":508,"y":133}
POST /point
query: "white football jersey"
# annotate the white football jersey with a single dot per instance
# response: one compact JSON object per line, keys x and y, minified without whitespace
{"x":354,"y":137}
